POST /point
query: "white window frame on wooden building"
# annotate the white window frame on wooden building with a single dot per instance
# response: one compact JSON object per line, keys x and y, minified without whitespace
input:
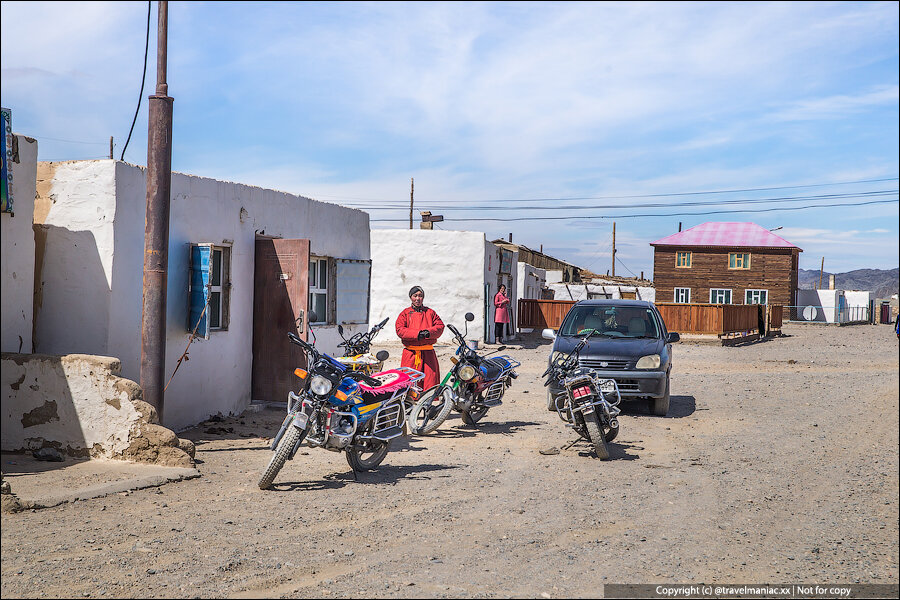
{"x":720,"y":296}
{"x":682,"y":295}
{"x":756,"y":296}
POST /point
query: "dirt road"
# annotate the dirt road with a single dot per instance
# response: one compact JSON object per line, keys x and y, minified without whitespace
{"x":777,"y":463}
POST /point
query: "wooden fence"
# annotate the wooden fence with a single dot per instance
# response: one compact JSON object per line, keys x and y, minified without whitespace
{"x":717,"y":319}
{"x":542,"y":314}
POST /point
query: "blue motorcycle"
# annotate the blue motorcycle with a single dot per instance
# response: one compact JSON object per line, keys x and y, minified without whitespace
{"x":342,"y":410}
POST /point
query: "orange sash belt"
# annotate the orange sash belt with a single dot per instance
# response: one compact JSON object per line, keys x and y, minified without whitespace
{"x":418,"y":351}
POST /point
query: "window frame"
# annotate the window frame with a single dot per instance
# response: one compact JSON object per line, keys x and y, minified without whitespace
{"x":712,"y":291}
{"x":323,"y":266}
{"x":744,"y":262}
{"x":748,"y":291}
{"x":224,"y":287}
{"x":681,"y":289}
{"x":687,"y":255}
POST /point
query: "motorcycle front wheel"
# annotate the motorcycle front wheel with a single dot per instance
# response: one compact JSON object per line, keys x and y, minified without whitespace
{"x":282,"y":451}
{"x":368,"y":457}
{"x":431,"y":410}
{"x":592,"y":424}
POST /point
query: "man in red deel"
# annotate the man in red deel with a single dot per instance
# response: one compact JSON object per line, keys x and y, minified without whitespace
{"x":418,"y":327}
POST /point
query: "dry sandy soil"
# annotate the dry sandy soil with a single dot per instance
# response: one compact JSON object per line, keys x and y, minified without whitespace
{"x":778,"y":463}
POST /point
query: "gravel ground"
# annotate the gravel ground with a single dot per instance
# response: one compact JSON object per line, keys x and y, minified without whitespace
{"x":778,"y":463}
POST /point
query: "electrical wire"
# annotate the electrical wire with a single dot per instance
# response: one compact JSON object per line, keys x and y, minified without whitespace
{"x":677,"y":214}
{"x":41,"y":137}
{"x":143,"y":80}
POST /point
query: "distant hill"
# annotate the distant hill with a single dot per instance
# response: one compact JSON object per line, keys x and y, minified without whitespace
{"x":882,"y":283}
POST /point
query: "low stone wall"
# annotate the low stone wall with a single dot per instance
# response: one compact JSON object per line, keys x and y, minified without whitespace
{"x":77,"y":404}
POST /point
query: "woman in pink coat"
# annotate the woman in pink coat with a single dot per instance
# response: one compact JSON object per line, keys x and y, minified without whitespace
{"x":501,"y":313}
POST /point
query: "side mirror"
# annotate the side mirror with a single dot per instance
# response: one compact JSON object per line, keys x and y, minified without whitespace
{"x":500,"y":349}
{"x":548,"y":334}
{"x":382,"y":355}
{"x":313,"y":317}
{"x":673,"y":337}
{"x":341,"y":330}
{"x":470,"y":317}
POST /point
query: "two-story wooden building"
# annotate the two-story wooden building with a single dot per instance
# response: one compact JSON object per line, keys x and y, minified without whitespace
{"x":725,"y":263}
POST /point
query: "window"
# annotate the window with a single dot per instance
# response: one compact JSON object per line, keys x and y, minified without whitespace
{"x":683,"y":295}
{"x":683,"y":260}
{"x":210,"y":287}
{"x":739,"y":260}
{"x":319,"y":287}
{"x":756,"y":296}
{"x":719,"y":296}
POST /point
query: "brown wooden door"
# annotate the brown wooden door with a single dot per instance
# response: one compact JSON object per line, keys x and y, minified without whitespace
{"x":280,"y":295}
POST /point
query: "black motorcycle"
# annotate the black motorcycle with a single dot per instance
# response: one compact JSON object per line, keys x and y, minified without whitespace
{"x":356,"y":350}
{"x":587,"y":403}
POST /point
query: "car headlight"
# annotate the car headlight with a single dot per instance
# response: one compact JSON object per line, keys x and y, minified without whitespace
{"x":466,"y":372}
{"x":320,"y":386}
{"x":648,"y":362}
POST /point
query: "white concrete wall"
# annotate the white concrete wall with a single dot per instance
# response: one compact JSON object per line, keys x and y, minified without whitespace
{"x":101,"y":204}
{"x":17,"y":253}
{"x":580,"y":291}
{"x":530,"y":280}
{"x":76,"y":403}
{"x":554,"y":276}
{"x":448,"y":265}
{"x":818,"y":305}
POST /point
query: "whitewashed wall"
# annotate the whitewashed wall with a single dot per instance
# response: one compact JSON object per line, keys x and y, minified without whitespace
{"x":17,"y":264}
{"x":100,"y":206}
{"x":580,"y":291}
{"x":530,"y":280}
{"x":448,"y":265}
{"x":818,"y":305}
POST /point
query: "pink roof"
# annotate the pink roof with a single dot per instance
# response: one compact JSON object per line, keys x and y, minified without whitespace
{"x":725,"y":234}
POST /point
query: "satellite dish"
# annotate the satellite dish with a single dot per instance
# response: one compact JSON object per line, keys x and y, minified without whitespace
{"x":810,"y":313}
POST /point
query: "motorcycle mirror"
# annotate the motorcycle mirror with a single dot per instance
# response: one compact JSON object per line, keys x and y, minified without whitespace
{"x":500,"y":349}
{"x":382,"y":355}
{"x":341,"y":330}
{"x":313,"y":317}
{"x":470,"y":317}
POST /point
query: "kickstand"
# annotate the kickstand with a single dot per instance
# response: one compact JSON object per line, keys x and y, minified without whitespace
{"x":572,"y":443}
{"x":355,"y":478}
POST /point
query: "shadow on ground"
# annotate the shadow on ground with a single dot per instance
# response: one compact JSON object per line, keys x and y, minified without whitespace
{"x":679,"y":407}
{"x":385,"y":474}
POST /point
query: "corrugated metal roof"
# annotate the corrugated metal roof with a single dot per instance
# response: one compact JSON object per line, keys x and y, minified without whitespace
{"x":749,"y":235}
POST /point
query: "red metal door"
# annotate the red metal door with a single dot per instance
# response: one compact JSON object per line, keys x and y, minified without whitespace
{"x":280,"y":296}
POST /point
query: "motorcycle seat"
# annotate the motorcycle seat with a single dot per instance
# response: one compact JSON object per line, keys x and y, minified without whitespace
{"x":491,"y":370}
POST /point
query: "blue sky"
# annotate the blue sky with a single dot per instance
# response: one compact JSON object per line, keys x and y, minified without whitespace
{"x":495,"y":107}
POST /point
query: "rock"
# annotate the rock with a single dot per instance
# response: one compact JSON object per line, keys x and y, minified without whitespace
{"x":549,"y":451}
{"x":173,"y":457}
{"x":187,"y":446}
{"x":158,"y":435}
{"x":147,"y":411}
{"x":48,"y":454}
{"x":4,"y":488}
{"x":11,"y":504}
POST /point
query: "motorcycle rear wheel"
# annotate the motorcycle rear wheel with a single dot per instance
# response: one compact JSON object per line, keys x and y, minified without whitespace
{"x":282,"y":451}
{"x":369,"y":458}
{"x":431,"y":410}
{"x":592,"y":424}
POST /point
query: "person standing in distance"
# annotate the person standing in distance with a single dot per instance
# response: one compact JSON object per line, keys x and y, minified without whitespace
{"x":501,"y":314}
{"x":418,"y":327}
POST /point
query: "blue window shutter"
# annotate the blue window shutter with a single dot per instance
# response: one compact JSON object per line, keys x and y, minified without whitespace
{"x":199,"y":293}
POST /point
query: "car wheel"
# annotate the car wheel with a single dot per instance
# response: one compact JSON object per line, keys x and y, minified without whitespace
{"x":661,"y":405}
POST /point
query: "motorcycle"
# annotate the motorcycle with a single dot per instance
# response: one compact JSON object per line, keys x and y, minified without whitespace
{"x":357,"y":353}
{"x":341,"y":410}
{"x":587,"y":403}
{"x":474,"y":385}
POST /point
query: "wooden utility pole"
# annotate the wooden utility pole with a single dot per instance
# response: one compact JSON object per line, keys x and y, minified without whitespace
{"x":614,"y":250}
{"x":156,"y":232}
{"x":110,"y":147}
{"x":412,"y":187}
{"x":821,"y":270}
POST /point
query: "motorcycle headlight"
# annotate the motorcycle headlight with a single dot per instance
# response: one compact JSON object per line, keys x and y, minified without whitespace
{"x":648,"y":362}
{"x":466,"y":372}
{"x":320,"y":386}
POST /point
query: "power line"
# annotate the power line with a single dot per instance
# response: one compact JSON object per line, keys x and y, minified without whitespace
{"x":143,"y":80}
{"x":678,"y":214}
{"x":871,"y":193}
{"x":41,"y":137}
{"x":662,"y":195}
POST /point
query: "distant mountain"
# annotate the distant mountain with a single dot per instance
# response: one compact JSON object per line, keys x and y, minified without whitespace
{"x":882,"y":283}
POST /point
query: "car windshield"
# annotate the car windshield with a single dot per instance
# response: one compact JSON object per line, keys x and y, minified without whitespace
{"x":610,"y":321}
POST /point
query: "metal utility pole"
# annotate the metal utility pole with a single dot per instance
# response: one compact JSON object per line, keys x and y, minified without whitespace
{"x":412,"y":187}
{"x":614,"y":250}
{"x":156,"y":232}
